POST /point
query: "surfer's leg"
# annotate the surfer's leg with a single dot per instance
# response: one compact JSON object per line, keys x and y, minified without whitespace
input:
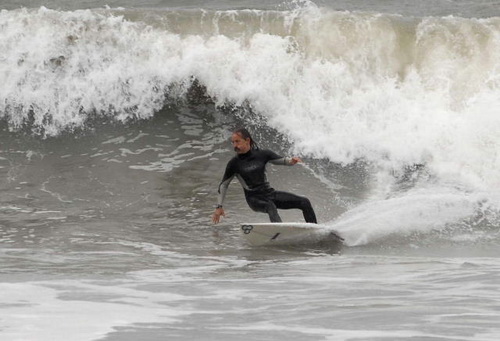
{"x":260,"y":204}
{"x":285,"y":200}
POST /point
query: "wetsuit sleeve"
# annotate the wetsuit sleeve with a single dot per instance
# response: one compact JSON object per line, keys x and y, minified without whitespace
{"x":287,"y":161}
{"x":276,"y":159}
{"x":226,"y":180}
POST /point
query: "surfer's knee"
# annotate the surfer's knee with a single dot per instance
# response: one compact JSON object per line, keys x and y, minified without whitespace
{"x":305,"y":203}
{"x":271,"y":207}
{"x":272,"y":211}
{"x":267,"y":207}
{"x":261,"y":205}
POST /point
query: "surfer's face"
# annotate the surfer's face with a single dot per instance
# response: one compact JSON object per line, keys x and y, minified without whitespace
{"x":240,"y":145}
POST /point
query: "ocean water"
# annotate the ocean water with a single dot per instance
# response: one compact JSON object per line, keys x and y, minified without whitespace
{"x":114,"y":134}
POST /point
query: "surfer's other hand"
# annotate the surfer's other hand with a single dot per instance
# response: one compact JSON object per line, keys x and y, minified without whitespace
{"x":219,"y":212}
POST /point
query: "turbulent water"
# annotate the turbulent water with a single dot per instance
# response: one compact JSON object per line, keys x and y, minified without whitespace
{"x":115,"y":120}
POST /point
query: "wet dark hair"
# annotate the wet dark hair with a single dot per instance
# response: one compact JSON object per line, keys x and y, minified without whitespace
{"x":243,"y":132}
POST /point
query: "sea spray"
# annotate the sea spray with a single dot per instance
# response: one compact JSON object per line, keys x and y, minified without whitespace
{"x":429,"y":211}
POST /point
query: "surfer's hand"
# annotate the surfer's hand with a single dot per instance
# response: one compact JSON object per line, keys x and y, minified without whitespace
{"x":217,"y":214}
{"x":295,"y":160}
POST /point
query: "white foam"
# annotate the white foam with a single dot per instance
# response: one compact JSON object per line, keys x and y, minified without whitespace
{"x":35,"y":311}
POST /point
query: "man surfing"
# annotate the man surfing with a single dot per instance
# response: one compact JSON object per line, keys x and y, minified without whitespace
{"x":249,"y":166}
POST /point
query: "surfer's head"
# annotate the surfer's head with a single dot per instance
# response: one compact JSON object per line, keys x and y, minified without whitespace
{"x":242,"y":141}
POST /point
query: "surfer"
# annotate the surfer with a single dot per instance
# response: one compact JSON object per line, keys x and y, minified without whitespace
{"x":249,"y":166}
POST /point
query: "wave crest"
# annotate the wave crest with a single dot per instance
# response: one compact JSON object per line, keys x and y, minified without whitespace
{"x":390,"y":90}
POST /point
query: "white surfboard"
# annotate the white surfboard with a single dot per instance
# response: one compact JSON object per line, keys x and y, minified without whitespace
{"x":259,"y":234}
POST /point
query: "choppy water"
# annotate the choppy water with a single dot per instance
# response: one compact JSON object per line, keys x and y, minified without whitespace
{"x":114,"y":135}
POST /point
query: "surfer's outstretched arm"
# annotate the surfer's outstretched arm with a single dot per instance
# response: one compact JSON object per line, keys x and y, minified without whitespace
{"x":223,"y":186}
{"x":287,"y":161}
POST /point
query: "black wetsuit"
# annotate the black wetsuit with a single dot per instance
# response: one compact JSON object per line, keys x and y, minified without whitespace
{"x":250,"y":169}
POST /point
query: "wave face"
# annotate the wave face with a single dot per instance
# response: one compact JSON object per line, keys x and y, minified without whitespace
{"x":390,"y":90}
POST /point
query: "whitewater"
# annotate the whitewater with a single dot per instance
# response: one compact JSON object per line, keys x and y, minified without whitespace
{"x":115,"y":122}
